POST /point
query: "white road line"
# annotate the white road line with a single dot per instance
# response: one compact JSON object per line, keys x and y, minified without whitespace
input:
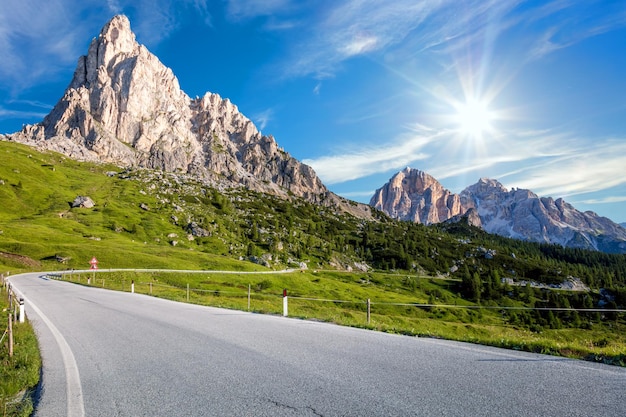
{"x":75,"y":404}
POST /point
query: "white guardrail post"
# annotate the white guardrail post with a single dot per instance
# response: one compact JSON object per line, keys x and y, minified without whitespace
{"x":22,"y":315}
{"x":285,"y":303}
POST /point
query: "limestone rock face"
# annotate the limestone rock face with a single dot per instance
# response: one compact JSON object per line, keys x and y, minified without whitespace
{"x":124,"y":106}
{"x":416,"y":196}
{"x":522,"y":214}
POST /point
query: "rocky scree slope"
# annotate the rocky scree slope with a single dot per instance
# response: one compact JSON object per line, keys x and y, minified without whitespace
{"x":123,"y":106}
{"x":415,"y":196}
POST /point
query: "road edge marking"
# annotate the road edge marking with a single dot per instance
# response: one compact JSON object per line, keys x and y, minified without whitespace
{"x":74,"y":390}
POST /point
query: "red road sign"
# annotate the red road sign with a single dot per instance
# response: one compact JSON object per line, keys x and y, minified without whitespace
{"x":94,"y":263}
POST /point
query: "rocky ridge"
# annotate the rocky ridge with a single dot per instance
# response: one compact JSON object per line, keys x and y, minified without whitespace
{"x":416,"y":196}
{"x":123,"y":106}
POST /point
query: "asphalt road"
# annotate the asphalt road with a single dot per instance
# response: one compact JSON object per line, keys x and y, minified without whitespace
{"x":108,"y":353}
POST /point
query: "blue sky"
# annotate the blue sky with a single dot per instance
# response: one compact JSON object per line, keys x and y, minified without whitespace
{"x":531,"y":93}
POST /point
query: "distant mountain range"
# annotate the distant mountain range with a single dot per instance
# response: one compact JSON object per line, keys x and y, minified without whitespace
{"x":414,"y":195}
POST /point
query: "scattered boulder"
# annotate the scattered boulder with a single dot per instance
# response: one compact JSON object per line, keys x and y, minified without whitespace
{"x":83,"y":202}
{"x":195,"y":230}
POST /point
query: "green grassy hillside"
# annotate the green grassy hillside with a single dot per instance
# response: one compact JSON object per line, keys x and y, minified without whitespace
{"x":149,"y":219}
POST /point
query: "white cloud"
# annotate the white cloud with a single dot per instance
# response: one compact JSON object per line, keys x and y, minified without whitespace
{"x":359,"y":45}
{"x":261,"y":119}
{"x":246,"y":9}
{"x":114,"y":6}
{"x":572,"y":22}
{"x":357,"y":27}
{"x":368,"y":160}
{"x":351,"y":28}
{"x":32,"y":103}
{"x":585,"y":170}
{"x":21,"y":114}
{"x":358,"y":194}
{"x":605,"y":200}
{"x":36,"y":38}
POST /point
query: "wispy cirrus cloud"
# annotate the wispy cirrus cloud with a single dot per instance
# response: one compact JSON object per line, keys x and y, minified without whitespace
{"x":246,"y":9}
{"x":610,"y":199}
{"x":27,"y":48}
{"x":347,"y":29}
{"x":583,"y":170}
{"x":155,"y":20}
{"x":262,"y":118}
{"x":21,"y":114}
{"x":371,"y":159}
{"x":571,"y":22}
{"x":356,"y":27}
{"x":25,"y":109}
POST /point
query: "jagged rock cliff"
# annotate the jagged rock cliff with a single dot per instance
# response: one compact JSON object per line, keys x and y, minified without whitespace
{"x":521,"y":214}
{"x":416,"y":196}
{"x":124,"y":106}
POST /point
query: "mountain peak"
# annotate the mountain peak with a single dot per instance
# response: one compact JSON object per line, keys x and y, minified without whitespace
{"x":117,"y":36}
{"x":396,"y":198}
{"x":118,"y":25}
{"x":486,"y":183}
{"x":124,"y":106}
{"x":116,"y":42}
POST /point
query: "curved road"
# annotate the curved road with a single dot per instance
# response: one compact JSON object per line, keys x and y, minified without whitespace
{"x":109,"y":353}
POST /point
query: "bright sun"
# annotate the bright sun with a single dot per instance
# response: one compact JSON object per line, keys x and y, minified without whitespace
{"x":473,"y":118}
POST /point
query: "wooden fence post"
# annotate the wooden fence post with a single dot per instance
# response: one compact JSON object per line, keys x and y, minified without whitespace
{"x":369,"y":307}
{"x":10,"y":336}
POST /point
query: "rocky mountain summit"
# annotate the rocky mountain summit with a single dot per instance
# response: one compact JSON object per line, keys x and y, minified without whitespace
{"x":416,"y":196}
{"x":123,"y":106}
